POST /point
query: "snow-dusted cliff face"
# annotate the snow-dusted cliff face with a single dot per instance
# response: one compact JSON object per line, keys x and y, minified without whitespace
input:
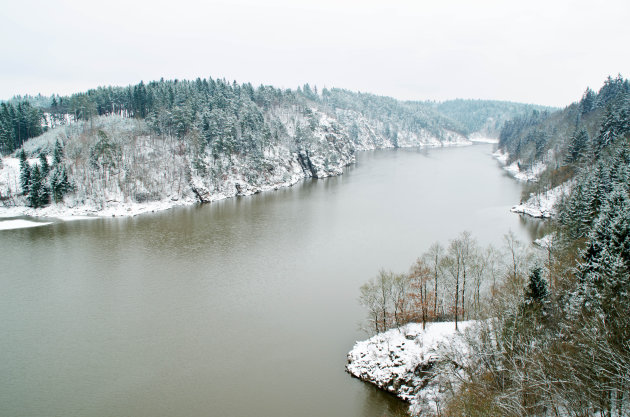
{"x":412,"y":364}
{"x":118,"y":166}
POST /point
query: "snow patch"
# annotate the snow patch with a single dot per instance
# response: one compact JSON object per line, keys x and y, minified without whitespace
{"x":20,"y":224}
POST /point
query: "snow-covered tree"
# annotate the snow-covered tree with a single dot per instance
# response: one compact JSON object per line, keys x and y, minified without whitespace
{"x":25,"y":173}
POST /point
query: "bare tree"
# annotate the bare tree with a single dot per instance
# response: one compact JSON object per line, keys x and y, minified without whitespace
{"x":400,"y":298}
{"x":433,"y":258}
{"x":420,"y":275}
{"x":452,"y":262}
{"x":468,"y":251}
{"x":376,"y":296}
{"x":368,"y":299}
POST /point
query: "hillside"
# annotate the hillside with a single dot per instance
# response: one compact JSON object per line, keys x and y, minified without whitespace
{"x":485,"y":117}
{"x":550,"y":149}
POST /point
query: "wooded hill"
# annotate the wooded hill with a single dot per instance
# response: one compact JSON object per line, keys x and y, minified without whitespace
{"x":213,"y":138}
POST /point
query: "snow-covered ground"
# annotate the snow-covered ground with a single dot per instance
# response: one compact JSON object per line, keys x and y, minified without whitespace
{"x":404,"y":361}
{"x":542,"y":205}
{"x":515,"y":169}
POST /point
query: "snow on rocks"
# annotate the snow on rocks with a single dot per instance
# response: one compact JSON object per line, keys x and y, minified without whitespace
{"x":402,"y":361}
{"x":542,"y":205}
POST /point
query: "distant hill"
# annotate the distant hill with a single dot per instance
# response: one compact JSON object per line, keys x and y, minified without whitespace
{"x":485,"y":116}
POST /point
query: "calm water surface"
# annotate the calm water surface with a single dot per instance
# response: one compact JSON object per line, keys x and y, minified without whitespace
{"x":246,"y":307}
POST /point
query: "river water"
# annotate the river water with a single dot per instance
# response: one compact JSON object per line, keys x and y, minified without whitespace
{"x":246,"y":307}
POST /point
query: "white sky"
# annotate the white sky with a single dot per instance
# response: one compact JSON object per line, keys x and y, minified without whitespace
{"x":535,"y":51}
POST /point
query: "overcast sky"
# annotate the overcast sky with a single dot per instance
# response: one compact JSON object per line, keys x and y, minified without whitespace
{"x":544,"y":52}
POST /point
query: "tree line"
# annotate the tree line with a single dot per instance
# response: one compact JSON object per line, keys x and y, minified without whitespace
{"x":446,"y":283}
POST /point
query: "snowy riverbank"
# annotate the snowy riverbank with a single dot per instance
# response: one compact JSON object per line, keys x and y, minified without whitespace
{"x":405,"y":363}
{"x":542,"y":205}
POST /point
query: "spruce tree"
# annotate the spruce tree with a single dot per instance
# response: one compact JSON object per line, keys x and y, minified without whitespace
{"x":25,"y":173}
{"x":58,"y":153}
{"x":587,"y":103}
{"x":604,"y":274}
{"x":35,"y":188}
{"x":44,"y":167}
{"x":537,"y":292}
{"x":578,"y":146}
{"x":59,"y":183}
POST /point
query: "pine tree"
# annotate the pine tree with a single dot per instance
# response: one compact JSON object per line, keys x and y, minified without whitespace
{"x":25,"y":173}
{"x":587,"y":103}
{"x":44,"y":167}
{"x":58,"y":153}
{"x":537,"y":291}
{"x":578,"y":146}
{"x":35,"y":188}
{"x":44,"y":193}
{"x":60,"y":185}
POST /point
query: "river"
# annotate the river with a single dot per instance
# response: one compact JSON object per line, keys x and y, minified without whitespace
{"x":245,"y":307}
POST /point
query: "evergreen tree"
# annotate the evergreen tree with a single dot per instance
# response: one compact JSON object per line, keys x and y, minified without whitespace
{"x":35,"y":188}
{"x":616,"y":123}
{"x":604,"y":274}
{"x":537,"y":291}
{"x":587,"y":104}
{"x":60,"y":185}
{"x":25,"y":173}
{"x":578,"y":146}
{"x":44,"y":167}
{"x":58,"y":153}
{"x":44,"y":193}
